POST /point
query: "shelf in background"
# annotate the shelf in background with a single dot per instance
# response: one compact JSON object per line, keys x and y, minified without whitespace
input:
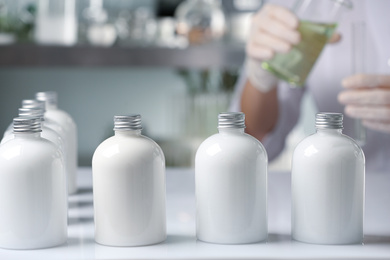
{"x":196,"y":57}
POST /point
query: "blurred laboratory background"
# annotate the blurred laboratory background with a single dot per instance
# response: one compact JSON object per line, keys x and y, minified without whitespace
{"x":173,"y":61}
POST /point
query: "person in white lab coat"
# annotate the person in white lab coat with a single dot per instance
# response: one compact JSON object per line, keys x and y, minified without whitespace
{"x":272,"y":107}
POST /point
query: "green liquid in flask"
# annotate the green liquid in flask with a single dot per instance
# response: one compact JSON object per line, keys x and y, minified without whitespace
{"x":295,"y":66}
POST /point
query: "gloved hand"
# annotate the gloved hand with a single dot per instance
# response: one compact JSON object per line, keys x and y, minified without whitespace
{"x":273,"y":30}
{"x":368,"y":97}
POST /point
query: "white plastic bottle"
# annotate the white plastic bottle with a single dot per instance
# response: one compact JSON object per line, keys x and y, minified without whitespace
{"x":129,"y":187}
{"x":33,"y":194}
{"x":47,"y":132}
{"x":69,"y":127}
{"x":328,"y":171}
{"x":231,"y":185}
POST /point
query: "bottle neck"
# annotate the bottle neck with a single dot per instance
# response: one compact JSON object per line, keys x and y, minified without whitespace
{"x":231,"y":130}
{"x":329,"y":131}
{"x":50,"y":105}
{"x":27,"y":135}
{"x":128,"y":133}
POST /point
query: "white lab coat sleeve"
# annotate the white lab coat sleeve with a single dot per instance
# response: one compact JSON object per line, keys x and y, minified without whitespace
{"x":289,"y":109}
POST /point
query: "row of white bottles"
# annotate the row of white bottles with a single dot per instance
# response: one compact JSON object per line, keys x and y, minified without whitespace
{"x":54,"y":119}
{"x":231,"y":186}
{"x":33,"y":193}
{"x":230,"y":180}
{"x":328,"y":171}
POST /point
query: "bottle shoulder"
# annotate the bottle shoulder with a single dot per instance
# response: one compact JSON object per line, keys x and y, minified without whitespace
{"x":126,"y":140}
{"x":137,"y":145}
{"x":330,"y":140}
{"x":333,"y":145}
{"x":35,"y":148}
{"x":241,"y":139}
{"x":231,"y":143}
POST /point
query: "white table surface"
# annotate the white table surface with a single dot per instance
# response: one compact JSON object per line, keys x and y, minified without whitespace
{"x":182,"y":244}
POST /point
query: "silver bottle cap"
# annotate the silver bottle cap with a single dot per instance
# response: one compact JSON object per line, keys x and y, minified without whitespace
{"x":27,"y":125}
{"x":31,"y":112}
{"x":127,"y":122}
{"x":231,"y":120}
{"x":329,"y":121}
{"x":48,"y":96}
{"x":33,"y":103}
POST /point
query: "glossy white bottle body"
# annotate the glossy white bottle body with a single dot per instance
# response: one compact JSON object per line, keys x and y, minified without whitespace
{"x":231,"y":189}
{"x":69,"y":131}
{"x":129,"y":191}
{"x":328,"y":170}
{"x":33,"y":194}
